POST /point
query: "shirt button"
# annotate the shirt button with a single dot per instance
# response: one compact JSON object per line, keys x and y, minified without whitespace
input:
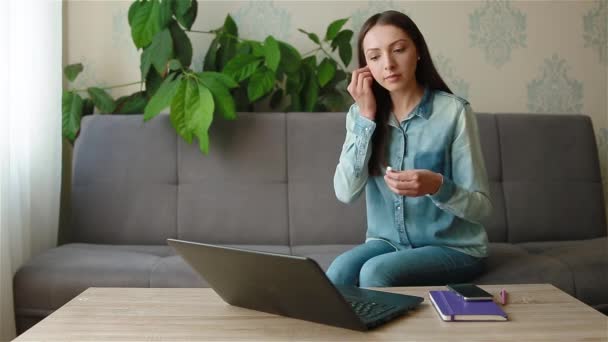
{"x":398,"y":207}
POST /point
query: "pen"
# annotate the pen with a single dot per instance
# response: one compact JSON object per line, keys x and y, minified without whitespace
{"x":503,"y":296}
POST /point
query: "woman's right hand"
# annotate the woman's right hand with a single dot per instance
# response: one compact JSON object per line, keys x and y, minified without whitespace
{"x":360,"y":88}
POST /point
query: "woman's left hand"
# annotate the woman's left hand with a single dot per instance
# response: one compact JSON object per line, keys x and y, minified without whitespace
{"x":413,"y":183}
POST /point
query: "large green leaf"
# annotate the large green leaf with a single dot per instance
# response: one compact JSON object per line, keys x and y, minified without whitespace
{"x":71,"y":108}
{"x":178,"y":111}
{"x":223,"y":99}
{"x":250,"y":46}
{"x":311,"y":36}
{"x":132,"y":104}
{"x":191,"y":102}
{"x":311,"y":90}
{"x":153,"y":82}
{"x":162,"y":98}
{"x":342,"y":41}
{"x":261,"y":83}
{"x":227,"y":81}
{"x":165,"y":13}
{"x":243,"y":48}
{"x":88,"y":107}
{"x":309,"y":63}
{"x":102,"y":100}
{"x":174,"y":64}
{"x":339,"y":76}
{"x":326,"y":71}
{"x":187,"y":19}
{"x":145,"y":22}
{"x":71,"y":71}
{"x":182,"y":47}
{"x":343,"y":37}
{"x":228,"y":42}
{"x":346,"y":53}
{"x":201,"y":118}
{"x":272,"y":53}
{"x":242,"y":66}
{"x":226,"y":52}
{"x":296,"y":103}
{"x":290,"y":58}
{"x":334,"y":28}
{"x":180,"y":7}
{"x":158,"y":53}
{"x":134,"y":8}
{"x":294,"y":85}
{"x":230,"y":26}
{"x":211,"y":56}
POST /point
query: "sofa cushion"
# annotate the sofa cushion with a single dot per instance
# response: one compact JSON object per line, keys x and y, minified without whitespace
{"x":586,"y":259}
{"x":315,"y":215}
{"x":238,"y":192}
{"x":511,"y":264}
{"x":124,"y":181}
{"x":54,"y":277}
{"x":551,"y":177}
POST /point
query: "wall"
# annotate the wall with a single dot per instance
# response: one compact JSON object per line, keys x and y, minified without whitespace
{"x":503,"y":56}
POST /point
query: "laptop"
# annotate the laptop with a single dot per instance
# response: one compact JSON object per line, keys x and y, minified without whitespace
{"x":291,"y":286}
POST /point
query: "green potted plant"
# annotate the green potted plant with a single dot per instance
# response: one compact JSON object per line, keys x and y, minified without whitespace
{"x":238,"y":74}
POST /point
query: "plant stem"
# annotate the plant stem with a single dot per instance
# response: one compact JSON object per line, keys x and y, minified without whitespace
{"x":196,"y":31}
{"x":311,"y":51}
{"x":216,"y":32}
{"x":112,"y":87}
{"x":328,"y":55}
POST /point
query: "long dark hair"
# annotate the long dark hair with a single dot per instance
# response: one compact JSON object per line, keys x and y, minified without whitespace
{"x":426,"y":75}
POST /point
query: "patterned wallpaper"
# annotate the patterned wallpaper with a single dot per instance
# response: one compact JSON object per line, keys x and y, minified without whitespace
{"x":504,"y":56}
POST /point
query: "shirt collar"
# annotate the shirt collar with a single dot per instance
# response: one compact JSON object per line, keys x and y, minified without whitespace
{"x":423,"y":109}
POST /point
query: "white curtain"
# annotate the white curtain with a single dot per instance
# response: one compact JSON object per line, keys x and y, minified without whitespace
{"x":30,"y":138}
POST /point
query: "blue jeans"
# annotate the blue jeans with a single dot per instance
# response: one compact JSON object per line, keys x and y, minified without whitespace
{"x":377,"y":263}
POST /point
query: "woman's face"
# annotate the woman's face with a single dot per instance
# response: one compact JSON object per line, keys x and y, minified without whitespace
{"x":391,"y":56}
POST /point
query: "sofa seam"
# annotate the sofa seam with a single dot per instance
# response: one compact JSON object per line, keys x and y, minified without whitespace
{"x":153,"y":268}
{"x":287,"y":183}
{"x":568,"y":266}
{"x":502,"y":176}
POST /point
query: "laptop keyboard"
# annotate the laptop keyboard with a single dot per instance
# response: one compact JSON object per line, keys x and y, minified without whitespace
{"x":368,"y":309}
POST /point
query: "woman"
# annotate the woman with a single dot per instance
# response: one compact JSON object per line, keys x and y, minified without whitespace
{"x":414,"y":147}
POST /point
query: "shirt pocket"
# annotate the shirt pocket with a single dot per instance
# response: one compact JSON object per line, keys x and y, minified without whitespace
{"x":431,"y":160}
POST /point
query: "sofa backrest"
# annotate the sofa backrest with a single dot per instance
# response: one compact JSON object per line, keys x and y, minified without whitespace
{"x":268,"y":179}
{"x":550,"y":177}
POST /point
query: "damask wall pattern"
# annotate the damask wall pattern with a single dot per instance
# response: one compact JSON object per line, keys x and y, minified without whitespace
{"x":498,"y":28}
{"x":503,"y":55}
{"x":554,"y":91}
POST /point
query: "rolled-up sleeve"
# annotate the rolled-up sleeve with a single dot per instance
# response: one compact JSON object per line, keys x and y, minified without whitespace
{"x":351,"y":173}
{"x":467,"y":194}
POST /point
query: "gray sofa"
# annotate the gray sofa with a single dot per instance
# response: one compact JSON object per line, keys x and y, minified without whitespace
{"x":267,"y":184}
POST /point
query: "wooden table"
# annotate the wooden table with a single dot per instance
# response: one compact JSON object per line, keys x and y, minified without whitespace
{"x":536,"y":313}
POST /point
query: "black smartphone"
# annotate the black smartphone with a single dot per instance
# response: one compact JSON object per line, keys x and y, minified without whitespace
{"x":470,"y":292}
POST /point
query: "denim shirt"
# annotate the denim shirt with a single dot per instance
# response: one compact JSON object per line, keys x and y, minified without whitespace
{"x":441,"y":135}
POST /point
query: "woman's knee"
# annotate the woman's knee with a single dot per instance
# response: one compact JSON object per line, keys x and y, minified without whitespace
{"x":375,"y":274}
{"x":342,"y":272}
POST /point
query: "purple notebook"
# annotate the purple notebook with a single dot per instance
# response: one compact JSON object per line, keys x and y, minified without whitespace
{"x":452,"y":307}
